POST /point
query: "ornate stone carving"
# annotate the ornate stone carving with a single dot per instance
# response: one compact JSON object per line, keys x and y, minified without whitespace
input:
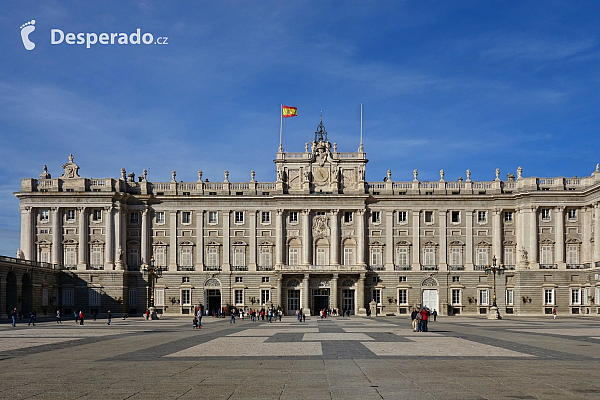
{"x":319,"y":283}
{"x":212,"y":282}
{"x":199,"y":176}
{"x":71,"y":169}
{"x":293,"y":283}
{"x":45,"y":174}
{"x":429,"y":281}
{"x":321,"y":227}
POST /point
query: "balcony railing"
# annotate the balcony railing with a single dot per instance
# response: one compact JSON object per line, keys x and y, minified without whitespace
{"x":211,"y":268}
{"x":377,"y":268}
{"x":548,"y":266}
{"x":265,"y":268}
{"x":479,"y":267}
{"x":402,"y":267}
{"x":509,"y":267}
{"x":96,"y":267}
{"x":578,"y":266}
{"x":429,"y":267}
{"x":239,"y":268}
{"x":456,"y":267}
{"x":186,"y":268}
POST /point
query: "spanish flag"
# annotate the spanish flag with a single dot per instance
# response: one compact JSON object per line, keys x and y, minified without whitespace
{"x":288,"y":112}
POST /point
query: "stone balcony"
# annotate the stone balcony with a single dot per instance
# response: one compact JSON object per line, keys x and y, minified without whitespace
{"x":321,"y":268}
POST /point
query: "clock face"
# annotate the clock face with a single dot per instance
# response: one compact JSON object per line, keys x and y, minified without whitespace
{"x":320,"y":174}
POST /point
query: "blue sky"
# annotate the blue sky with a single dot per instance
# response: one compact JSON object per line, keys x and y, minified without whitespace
{"x":452,"y":85}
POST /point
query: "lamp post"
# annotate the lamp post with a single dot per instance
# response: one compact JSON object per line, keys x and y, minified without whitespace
{"x":494,"y":269}
{"x":153,"y":273}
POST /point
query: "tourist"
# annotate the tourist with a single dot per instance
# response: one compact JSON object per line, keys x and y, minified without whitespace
{"x":13,"y":316}
{"x":76,"y":315}
{"x":425,"y":318}
{"x":58,"y":318}
{"x":554,"y":313}
{"x":303,"y":317}
{"x":232,"y":316}
{"x":280,"y":314}
{"x":434,"y":315}
{"x":108,"y":317}
{"x":419,"y":321}
{"x":80,"y":317}
{"x":414,"y":320}
{"x":199,"y":315}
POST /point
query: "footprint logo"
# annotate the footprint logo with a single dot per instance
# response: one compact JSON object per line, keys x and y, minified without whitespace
{"x":26,"y":29}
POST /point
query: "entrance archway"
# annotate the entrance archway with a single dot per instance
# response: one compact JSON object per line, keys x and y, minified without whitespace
{"x":429,"y":294}
{"x":212,"y":295}
{"x":27,"y":294}
{"x":11,"y":291}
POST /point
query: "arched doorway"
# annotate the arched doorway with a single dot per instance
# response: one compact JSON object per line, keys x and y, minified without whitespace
{"x":11,"y":291}
{"x":348,"y":287}
{"x":429,"y":294}
{"x":212,"y":295}
{"x":293,"y":296}
{"x":26,"y":294}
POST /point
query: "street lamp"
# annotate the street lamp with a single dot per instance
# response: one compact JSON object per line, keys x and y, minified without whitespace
{"x":494,"y":269}
{"x":153,"y":273}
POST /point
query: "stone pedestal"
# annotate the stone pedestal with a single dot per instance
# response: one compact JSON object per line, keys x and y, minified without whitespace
{"x":494,"y":313}
{"x":373,"y":308}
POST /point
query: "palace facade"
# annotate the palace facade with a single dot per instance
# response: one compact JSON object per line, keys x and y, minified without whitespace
{"x":319,"y":236}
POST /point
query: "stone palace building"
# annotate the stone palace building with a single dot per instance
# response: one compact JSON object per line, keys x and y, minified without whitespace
{"x":319,"y":236}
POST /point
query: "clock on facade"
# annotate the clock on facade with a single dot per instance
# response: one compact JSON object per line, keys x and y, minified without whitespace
{"x":320,"y":174}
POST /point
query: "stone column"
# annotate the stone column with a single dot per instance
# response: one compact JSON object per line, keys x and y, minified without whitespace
{"x":335,"y":237}
{"x":27,"y":233}
{"x":306,"y":241}
{"x":278,"y":292}
{"x":416,"y":255}
{"x":389,"y":240}
{"x":173,"y":241}
{"x":497,"y":235}
{"x":226,"y":239}
{"x":360,"y":296}
{"x":469,"y":240}
{"x":304,"y":295}
{"x":334,"y":291}
{"x":596,"y":233}
{"x":533,"y":235}
{"x":109,"y":250}
{"x":119,"y":249}
{"x":145,"y":238}
{"x":279,"y":239}
{"x":200,"y":239}
{"x":56,"y":236}
{"x":83,"y":239}
{"x":559,"y":240}
{"x":587,"y":235}
{"x":252,"y":240}
{"x":443,"y":242}
{"x":360,"y":235}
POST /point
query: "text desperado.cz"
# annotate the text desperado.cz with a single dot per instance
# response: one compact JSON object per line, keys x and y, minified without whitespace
{"x":57,"y":36}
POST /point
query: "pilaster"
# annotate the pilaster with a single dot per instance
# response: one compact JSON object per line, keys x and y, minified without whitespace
{"x":109,"y":251}
{"x":596,"y":232}
{"x":200,"y":239}
{"x":226,"y":239}
{"x":306,"y":241}
{"x":27,"y":232}
{"x":334,"y":291}
{"x":389,"y":238}
{"x":559,"y":241}
{"x":497,"y":235}
{"x":416,"y":248}
{"x":145,"y":239}
{"x":335,"y":238}
{"x":469,"y":240}
{"x":56,"y":236}
{"x":83,"y":240}
{"x":533,"y":237}
{"x":173,"y":241}
{"x":279,"y":238}
{"x":360,"y":233}
{"x":443,"y":241}
{"x":252,"y":240}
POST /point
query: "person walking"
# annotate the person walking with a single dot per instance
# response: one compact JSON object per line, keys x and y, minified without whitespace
{"x":58,"y":318}
{"x":554,"y":313}
{"x":31,"y":319}
{"x":434,"y":315}
{"x":80,"y":317}
{"x":303,"y":317}
{"x":199,"y":315}
{"x":425,"y":319}
{"x":413,"y":319}
{"x":232,"y":316}
{"x":108,"y":317}
{"x":76,"y":315}
{"x":13,"y":316}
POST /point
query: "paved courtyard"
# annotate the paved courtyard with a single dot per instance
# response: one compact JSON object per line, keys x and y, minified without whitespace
{"x":337,"y":358}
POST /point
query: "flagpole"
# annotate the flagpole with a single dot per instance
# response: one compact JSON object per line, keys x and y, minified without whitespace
{"x":360,"y":148}
{"x":280,"y":128}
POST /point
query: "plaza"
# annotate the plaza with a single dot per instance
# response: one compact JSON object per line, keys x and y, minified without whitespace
{"x":335,"y":358}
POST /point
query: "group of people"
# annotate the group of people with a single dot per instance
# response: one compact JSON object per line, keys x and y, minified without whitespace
{"x":420,"y":319}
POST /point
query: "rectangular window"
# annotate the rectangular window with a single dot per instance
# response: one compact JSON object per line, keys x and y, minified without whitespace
{"x":68,"y":297}
{"x":572,"y":254}
{"x":239,"y":297}
{"x":572,"y":213}
{"x":159,"y":297}
{"x":265,"y":260}
{"x":549,"y":297}
{"x":186,"y":297}
{"x":376,"y":257}
{"x":134,"y":218}
{"x":402,"y":256}
{"x":348,"y":256}
{"x":239,"y":217}
{"x":239,"y":279}
{"x":456,"y":296}
{"x":186,"y":257}
{"x":347,"y":216}
{"x":185,"y":279}
{"x":576,"y":297}
{"x":546,"y":214}
{"x":266,"y":279}
{"x":482,"y":217}
{"x":212,"y":256}
{"x":456,"y":279}
{"x":509,"y":256}
{"x":134,"y":257}
{"x":186,"y":217}
{"x":44,"y":215}
{"x":45,"y":256}
{"x":483,"y":297}
{"x":482,"y":256}
{"x":265,"y":296}
{"x":239,"y":256}
{"x":403,"y":296}
{"x":293,"y":217}
{"x":293,"y":258}
{"x":508,"y":216}
{"x":376,"y":217}
{"x":97,"y":257}
{"x":94,"y":298}
{"x":456,"y":256}
{"x":71,"y":256}
{"x":429,"y":256}
{"x":133,"y":297}
{"x":377,"y":296}
{"x":213,"y":217}
{"x":402,"y":216}
{"x":509,"y":297}
{"x":546,"y":255}
{"x":265,"y":217}
{"x":455,"y":217}
{"x":70,"y":215}
{"x":586,"y":296}
{"x":160,"y":257}
{"x":429,"y":217}
{"x":403,"y":279}
{"x":97,"y":215}
{"x":321,"y":256}
{"x":160,"y":217}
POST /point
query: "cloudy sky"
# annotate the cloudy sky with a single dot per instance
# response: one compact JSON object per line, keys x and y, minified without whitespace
{"x":452,"y":85}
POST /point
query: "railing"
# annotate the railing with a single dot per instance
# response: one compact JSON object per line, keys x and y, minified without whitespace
{"x":45,"y":183}
{"x":578,"y":266}
{"x":186,"y":186}
{"x":548,"y":266}
{"x":456,"y":267}
{"x":70,"y":267}
{"x":29,"y":262}
{"x":480,"y":267}
{"x":97,"y":182}
{"x":510,"y":267}
{"x":240,"y":186}
{"x":186,"y":268}
{"x":347,"y":155}
{"x":213,"y":186}
{"x":545,"y":181}
{"x":377,"y":268}
{"x":429,"y":267}
{"x":509,"y":185}
{"x":96,"y":267}
{"x":211,"y":268}
{"x":160,"y":186}
{"x":455,"y":185}
{"x":270,"y":186}
{"x":239,"y":268}
{"x":402,"y":185}
{"x":265,"y":268}
{"x":573,"y":181}
{"x":294,"y":155}
{"x":402,"y":267}
{"x":482,"y":185}
{"x":376,"y":185}
{"x":429,"y":185}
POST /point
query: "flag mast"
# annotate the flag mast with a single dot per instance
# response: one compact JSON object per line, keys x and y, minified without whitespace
{"x":360,"y":148}
{"x":280,"y":128}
